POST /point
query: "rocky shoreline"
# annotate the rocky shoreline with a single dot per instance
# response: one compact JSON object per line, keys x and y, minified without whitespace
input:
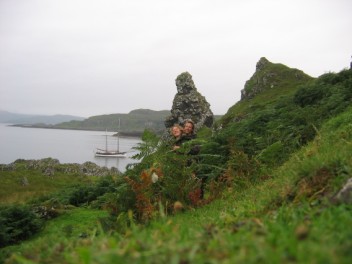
{"x":49,"y":167}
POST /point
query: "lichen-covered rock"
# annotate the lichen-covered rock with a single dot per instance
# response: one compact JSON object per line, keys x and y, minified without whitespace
{"x":8,"y":167}
{"x":49,"y":167}
{"x":24,"y":181}
{"x":49,"y":171}
{"x":91,"y":169}
{"x":188,"y":103}
{"x":40,"y":164}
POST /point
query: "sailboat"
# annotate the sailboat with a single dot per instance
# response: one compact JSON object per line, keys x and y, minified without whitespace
{"x":110,"y":153}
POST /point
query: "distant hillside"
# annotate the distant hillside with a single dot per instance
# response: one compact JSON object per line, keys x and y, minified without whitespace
{"x":25,"y":119}
{"x":133,"y":123}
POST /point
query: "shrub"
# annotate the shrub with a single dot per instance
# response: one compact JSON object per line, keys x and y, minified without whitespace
{"x":85,"y":194}
{"x":120,"y":200}
{"x":272,"y":154}
{"x":308,"y":95}
{"x":168,"y":181}
{"x":17,"y":223}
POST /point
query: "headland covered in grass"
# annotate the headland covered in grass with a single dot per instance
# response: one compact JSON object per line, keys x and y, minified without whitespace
{"x":274,"y":193}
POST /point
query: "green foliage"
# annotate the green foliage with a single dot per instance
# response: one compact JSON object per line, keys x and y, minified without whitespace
{"x":242,"y":169}
{"x":118,"y":201}
{"x":285,"y":218}
{"x":178,"y":179}
{"x":211,"y":160}
{"x":252,"y":226}
{"x":75,"y":228}
{"x":85,"y":194}
{"x":162,"y":178}
{"x":149,"y":144}
{"x":204,"y":133}
{"x":276,"y":207}
{"x":270,"y":132}
{"x":17,"y":222}
{"x":274,"y":76}
{"x":275,"y":153}
{"x":308,"y":96}
{"x":26,"y":180}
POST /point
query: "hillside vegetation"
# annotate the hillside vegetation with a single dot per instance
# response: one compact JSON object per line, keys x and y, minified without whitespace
{"x":273,"y":169}
{"x":133,"y":123}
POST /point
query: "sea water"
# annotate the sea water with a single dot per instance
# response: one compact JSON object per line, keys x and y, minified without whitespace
{"x":68,"y":146}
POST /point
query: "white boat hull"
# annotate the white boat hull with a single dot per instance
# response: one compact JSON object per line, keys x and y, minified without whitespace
{"x":110,"y":154}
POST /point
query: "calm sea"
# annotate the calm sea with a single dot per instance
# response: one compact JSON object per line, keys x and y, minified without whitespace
{"x":68,"y":146}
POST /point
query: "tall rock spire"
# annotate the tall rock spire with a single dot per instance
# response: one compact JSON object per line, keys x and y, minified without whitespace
{"x":188,"y":103}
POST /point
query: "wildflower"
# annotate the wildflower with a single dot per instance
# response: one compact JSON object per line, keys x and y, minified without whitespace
{"x":155,"y":177}
{"x":178,"y":206}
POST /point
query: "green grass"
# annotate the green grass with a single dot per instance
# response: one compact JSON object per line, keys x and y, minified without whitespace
{"x":14,"y":191}
{"x":60,"y":236}
{"x":289,"y":218}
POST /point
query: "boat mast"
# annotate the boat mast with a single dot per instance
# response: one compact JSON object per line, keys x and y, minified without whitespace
{"x":106,"y":140}
{"x":118,"y":138}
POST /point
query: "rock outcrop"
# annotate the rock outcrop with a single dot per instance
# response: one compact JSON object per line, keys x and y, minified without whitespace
{"x":345,"y":194}
{"x":270,"y":75}
{"x":50,"y":167}
{"x":188,"y":103}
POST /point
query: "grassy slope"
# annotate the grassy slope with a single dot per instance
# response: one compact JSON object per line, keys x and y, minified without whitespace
{"x":285,"y":84}
{"x":287,"y":218}
{"x":59,"y":236}
{"x":39,"y":184}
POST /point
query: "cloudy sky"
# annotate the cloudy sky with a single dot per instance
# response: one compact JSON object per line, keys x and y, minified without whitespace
{"x":92,"y":57}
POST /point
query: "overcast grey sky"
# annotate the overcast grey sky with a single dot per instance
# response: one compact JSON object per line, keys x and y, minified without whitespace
{"x":90,"y":57}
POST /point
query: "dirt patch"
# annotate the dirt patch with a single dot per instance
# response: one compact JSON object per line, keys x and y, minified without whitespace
{"x":315,"y":186}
